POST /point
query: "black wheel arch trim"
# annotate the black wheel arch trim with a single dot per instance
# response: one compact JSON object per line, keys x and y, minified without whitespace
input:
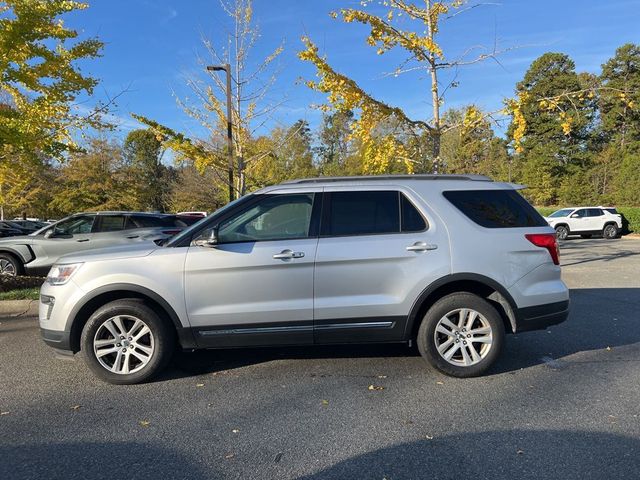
{"x":185,"y":335}
{"x":508,"y":304}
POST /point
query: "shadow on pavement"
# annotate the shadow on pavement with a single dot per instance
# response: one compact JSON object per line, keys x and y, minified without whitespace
{"x":510,"y":454}
{"x":599,"y":318}
{"x":100,"y":460}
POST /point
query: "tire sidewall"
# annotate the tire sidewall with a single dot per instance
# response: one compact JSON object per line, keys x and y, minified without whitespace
{"x":426,"y":342}
{"x":164,"y":343}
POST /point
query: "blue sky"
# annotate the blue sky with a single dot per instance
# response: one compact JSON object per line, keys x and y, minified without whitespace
{"x":151,"y":45}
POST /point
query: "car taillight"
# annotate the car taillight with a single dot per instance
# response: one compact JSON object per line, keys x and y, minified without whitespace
{"x":171,"y":232}
{"x":548,"y":241}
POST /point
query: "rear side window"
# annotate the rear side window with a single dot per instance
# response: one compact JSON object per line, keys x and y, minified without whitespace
{"x":111,"y":223}
{"x":595,"y":212}
{"x":369,"y":213}
{"x":360,"y":213}
{"x":149,"y":221}
{"x":496,"y":208}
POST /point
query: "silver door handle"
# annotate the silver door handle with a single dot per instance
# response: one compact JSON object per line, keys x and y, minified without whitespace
{"x":288,"y":254}
{"x":421,"y":247}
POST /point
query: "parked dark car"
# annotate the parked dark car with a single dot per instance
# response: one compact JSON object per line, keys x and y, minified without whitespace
{"x":29,"y":226}
{"x":9,"y":230}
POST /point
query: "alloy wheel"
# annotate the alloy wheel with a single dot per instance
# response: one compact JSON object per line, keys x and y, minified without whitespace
{"x":123,"y":344}
{"x":7,"y":268}
{"x":463,"y":337}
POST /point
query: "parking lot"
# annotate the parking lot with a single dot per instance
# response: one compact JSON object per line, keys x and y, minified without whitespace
{"x":562,"y":403}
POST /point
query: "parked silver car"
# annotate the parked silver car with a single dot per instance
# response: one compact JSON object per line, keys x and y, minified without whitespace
{"x":35,"y":253}
{"x":450,"y":262}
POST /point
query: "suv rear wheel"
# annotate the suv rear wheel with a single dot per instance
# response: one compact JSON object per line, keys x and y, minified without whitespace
{"x":461,"y":335}
{"x":610,"y":231}
{"x":126,"y":342}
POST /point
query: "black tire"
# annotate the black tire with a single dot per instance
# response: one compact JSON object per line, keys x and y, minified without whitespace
{"x":426,"y":340}
{"x":610,"y":231}
{"x":163,"y":343}
{"x":562,"y":232}
{"x":10,"y":265}
{"x":587,"y":235}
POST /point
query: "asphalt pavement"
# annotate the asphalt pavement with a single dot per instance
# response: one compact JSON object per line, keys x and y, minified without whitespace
{"x":560,"y":404}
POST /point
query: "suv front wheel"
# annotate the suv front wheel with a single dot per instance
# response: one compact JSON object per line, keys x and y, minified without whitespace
{"x":562,"y":232}
{"x":461,"y":335}
{"x":126,"y":342}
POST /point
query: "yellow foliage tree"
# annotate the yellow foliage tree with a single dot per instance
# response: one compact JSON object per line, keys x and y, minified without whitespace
{"x":387,"y":32}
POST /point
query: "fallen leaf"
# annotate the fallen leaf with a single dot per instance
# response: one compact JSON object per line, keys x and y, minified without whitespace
{"x":235,"y":430}
{"x":199,"y":384}
{"x":4,"y":413}
{"x":439,"y":383}
{"x":230,"y":455}
{"x":144,"y":423}
{"x":519,"y":452}
{"x":76,"y":407}
{"x":375,"y":387}
{"x":429,"y":437}
{"x":608,"y":349}
{"x":325,"y":402}
{"x":278,"y":457}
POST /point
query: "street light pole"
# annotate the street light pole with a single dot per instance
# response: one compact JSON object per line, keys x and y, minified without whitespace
{"x":227,"y":68}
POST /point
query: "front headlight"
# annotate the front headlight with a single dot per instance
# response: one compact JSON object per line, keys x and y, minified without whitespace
{"x":60,"y":274}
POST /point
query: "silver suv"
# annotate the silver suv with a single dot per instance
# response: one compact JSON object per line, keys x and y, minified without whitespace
{"x":34,"y":254}
{"x":451,"y":262}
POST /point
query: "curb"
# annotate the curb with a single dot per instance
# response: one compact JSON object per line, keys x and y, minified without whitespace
{"x":18,"y":308}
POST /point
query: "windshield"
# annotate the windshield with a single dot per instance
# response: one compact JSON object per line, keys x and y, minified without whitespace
{"x":561,"y":213}
{"x":188,"y":231}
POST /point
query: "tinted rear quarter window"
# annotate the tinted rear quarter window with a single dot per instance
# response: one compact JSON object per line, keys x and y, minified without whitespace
{"x":496,"y":208}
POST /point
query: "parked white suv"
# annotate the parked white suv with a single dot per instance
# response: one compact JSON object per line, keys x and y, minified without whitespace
{"x":451,"y":262}
{"x":586,"y":221}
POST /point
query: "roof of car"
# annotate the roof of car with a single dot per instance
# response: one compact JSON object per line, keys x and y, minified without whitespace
{"x":123,"y":212}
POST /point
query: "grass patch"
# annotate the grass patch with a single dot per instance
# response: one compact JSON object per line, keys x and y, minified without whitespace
{"x":21,"y":294}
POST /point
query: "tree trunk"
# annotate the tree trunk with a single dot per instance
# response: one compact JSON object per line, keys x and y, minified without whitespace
{"x":436,"y":132}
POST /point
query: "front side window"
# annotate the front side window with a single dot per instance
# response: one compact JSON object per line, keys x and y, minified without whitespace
{"x":580,"y":213}
{"x":561,"y":213}
{"x":74,"y":225}
{"x":275,"y":217}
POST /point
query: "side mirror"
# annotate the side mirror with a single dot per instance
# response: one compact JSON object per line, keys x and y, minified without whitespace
{"x":574,"y":215}
{"x":53,"y":234}
{"x":208,"y":241}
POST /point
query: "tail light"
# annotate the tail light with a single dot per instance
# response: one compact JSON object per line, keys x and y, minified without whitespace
{"x":548,"y":241}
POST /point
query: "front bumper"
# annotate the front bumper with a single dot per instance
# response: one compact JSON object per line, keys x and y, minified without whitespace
{"x":56,"y":304}
{"x":56,"y":339}
{"x":540,"y":317}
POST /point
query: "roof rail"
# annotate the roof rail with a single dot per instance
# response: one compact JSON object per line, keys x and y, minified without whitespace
{"x":365,"y":178}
